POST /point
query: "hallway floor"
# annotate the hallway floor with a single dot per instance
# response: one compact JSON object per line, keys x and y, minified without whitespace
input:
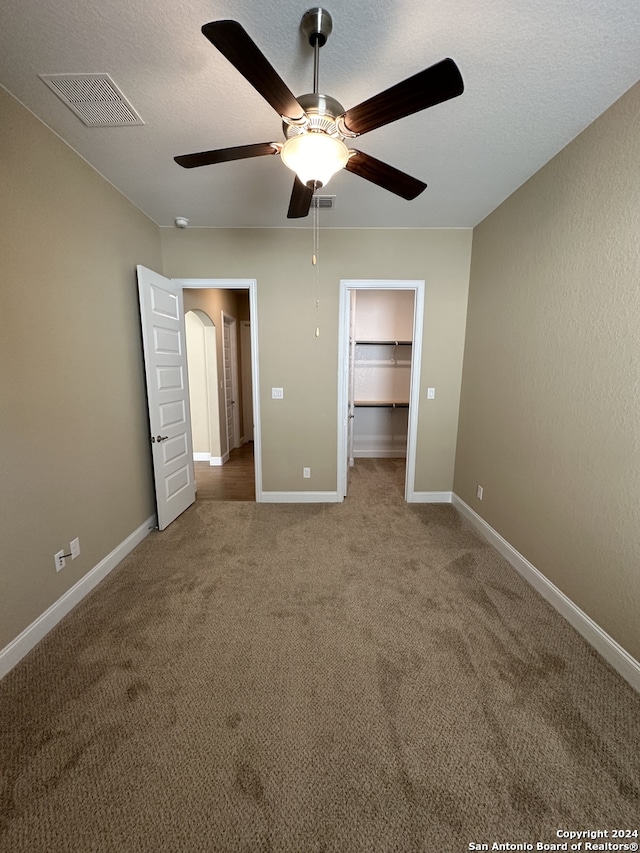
{"x":233,"y":481}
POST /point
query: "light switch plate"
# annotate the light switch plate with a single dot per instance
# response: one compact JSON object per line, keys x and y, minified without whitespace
{"x":431,"y":393}
{"x":277,"y":393}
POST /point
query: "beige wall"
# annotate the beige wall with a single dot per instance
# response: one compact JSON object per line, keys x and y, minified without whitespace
{"x":301,"y":430}
{"x":203,"y":404}
{"x":550,"y":410}
{"x":74,"y":454}
{"x":384,"y":315}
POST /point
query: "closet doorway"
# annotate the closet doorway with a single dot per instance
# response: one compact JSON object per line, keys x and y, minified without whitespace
{"x":221,"y":377}
{"x":380,"y":346}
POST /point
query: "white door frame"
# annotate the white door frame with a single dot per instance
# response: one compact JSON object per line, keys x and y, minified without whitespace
{"x":346,"y":287}
{"x":251,"y":285}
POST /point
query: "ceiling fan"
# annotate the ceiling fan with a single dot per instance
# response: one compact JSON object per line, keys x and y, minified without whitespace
{"x":316,"y":127}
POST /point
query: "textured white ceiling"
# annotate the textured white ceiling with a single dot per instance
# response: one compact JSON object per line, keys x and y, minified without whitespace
{"x":536,"y":74}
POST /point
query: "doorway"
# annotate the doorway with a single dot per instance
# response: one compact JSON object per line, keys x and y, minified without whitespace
{"x":380,"y":350}
{"x":221,"y":367}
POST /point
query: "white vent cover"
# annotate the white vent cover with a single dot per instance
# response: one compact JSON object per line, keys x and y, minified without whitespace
{"x":324,"y":202}
{"x":94,"y":98}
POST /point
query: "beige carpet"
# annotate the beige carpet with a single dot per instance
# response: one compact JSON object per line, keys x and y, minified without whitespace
{"x":369,"y":676}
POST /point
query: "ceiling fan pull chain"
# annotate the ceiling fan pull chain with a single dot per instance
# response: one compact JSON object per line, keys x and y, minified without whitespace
{"x":316,"y":252}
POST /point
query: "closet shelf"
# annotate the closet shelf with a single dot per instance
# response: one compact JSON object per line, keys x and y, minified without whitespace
{"x":386,"y":343}
{"x":381,"y":404}
{"x":382,"y":362}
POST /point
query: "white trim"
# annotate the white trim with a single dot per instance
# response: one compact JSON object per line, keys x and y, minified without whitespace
{"x":611,"y":651}
{"x":24,"y":642}
{"x":431,"y":497}
{"x":251,"y":285}
{"x":346,"y":285}
{"x":300,"y":497}
{"x":212,"y":460}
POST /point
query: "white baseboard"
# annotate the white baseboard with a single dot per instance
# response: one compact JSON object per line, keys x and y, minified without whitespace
{"x":24,"y":642}
{"x":611,"y":651}
{"x":299,"y":497}
{"x":430,"y":497}
{"x":198,"y":456}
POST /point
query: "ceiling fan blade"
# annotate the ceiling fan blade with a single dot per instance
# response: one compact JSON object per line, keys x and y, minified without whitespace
{"x":385,"y":176}
{"x":435,"y":84}
{"x":300,"y":202}
{"x":224,"y":155}
{"x":233,"y":41}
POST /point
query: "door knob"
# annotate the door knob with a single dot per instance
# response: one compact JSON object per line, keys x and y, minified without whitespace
{"x":161,"y":438}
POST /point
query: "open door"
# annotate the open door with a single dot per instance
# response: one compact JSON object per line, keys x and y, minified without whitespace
{"x":165,"y":358}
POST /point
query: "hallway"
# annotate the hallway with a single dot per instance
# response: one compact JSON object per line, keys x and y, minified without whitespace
{"x":233,"y":481}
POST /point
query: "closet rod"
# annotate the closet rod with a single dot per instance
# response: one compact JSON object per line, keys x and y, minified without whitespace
{"x":379,"y":404}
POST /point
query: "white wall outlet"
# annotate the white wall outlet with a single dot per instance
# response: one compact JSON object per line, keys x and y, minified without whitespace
{"x":479,"y":492}
{"x":59,"y":560}
{"x":277,"y":393}
{"x":431,"y":393}
{"x":74,"y":547}
{"x":306,"y":473}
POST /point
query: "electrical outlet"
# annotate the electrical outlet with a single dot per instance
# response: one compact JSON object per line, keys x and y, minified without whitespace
{"x":74,"y":547}
{"x":306,"y":473}
{"x":59,"y":560}
{"x":479,"y":492}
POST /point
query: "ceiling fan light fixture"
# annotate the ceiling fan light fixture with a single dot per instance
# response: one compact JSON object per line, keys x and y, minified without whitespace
{"x":315,"y":157}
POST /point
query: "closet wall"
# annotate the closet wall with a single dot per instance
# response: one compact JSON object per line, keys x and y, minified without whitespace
{"x":383,"y":331}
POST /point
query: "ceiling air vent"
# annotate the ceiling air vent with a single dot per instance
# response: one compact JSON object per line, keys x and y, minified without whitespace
{"x":324,"y":202}
{"x":94,"y":98}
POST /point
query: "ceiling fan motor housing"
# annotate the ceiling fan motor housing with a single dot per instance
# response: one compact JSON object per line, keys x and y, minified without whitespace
{"x":322,"y":112}
{"x":316,"y":24}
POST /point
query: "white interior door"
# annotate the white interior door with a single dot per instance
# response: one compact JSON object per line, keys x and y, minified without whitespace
{"x":163,"y":337}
